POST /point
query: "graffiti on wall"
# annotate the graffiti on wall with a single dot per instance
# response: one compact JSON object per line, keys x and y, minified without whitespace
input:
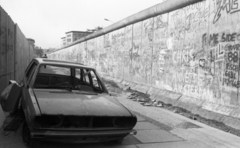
{"x":193,"y":51}
{"x":225,"y":7}
{"x":127,"y":52}
{"x":162,"y":45}
{"x":92,"y":52}
{"x":136,"y":49}
{"x":102,"y":56}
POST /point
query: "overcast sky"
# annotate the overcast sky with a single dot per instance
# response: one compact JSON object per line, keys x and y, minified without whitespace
{"x":46,"y":21}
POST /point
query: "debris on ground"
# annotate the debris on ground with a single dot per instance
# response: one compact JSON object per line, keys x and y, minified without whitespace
{"x":144,"y":100}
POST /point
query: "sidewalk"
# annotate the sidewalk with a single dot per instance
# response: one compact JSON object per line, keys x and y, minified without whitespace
{"x":176,"y":131}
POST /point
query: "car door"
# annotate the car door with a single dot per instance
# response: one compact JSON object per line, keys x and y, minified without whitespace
{"x":27,"y":77}
{"x":28,"y":100}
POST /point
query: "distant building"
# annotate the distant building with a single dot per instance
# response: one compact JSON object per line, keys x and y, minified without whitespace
{"x":72,"y":36}
{"x":64,"y":41}
{"x":31,"y":42}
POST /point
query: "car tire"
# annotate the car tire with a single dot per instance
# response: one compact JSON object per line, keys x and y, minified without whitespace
{"x":26,"y":136}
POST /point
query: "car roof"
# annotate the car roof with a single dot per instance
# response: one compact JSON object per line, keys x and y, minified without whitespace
{"x":59,"y":62}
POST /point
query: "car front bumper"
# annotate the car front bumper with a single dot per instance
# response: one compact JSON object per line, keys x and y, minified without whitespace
{"x":80,"y":136}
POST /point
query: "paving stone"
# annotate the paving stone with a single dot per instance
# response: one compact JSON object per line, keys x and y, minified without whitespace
{"x":182,"y":144}
{"x":145,"y":126}
{"x":147,"y":136}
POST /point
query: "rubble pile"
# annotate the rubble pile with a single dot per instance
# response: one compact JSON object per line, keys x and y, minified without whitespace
{"x":144,"y":99}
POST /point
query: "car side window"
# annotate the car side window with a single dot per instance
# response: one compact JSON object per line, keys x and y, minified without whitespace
{"x":86,"y":76}
{"x":78,"y":73}
{"x":94,"y":79}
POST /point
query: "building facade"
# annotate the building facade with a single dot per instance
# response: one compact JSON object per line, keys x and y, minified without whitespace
{"x":73,"y":36}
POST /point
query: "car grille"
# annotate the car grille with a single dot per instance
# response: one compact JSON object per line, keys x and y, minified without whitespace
{"x":84,"y":122}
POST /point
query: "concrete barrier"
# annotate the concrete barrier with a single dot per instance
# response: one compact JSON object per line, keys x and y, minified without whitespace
{"x":15,"y":51}
{"x":142,"y":88}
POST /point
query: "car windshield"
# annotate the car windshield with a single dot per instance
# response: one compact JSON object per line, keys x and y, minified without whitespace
{"x":69,"y":78}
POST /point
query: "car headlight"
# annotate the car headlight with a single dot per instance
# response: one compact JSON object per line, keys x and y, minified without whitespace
{"x":47,"y":121}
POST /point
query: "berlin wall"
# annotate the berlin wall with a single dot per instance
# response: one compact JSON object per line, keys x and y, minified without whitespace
{"x":15,"y":51}
{"x":192,"y":51}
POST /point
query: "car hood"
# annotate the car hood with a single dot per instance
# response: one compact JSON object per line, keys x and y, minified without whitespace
{"x":77,"y":103}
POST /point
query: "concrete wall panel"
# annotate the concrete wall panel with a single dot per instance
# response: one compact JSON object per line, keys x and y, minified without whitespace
{"x":23,"y":54}
{"x":137,"y":74}
{"x":10,"y":49}
{"x":99,"y":51}
{"x":161,"y":57}
{"x":15,"y":51}
{"x":146,"y":50}
{"x":91,"y":52}
{"x":127,"y":53}
{"x":117,"y":46}
{"x":19,"y":54}
{"x":103,"y":62}
{"x":3,"y":50}
{"x":81,"y":53}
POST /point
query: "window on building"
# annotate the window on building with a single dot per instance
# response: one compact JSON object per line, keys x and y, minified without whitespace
{"x":68,"y":40}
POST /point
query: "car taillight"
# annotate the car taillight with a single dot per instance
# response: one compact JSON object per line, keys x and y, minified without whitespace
{"x":124,"y":122}
{"x":47,"y":121}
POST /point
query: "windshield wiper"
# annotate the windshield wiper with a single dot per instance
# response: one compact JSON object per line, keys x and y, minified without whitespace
{"x":65,"y":88}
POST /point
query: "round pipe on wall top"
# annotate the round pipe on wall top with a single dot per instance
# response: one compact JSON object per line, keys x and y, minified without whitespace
{"x":164,"y":7}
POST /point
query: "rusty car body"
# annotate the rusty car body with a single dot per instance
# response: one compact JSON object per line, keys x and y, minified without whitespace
{"x":68,"y":102}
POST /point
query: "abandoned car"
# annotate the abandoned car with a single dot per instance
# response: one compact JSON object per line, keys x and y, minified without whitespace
{"x":68,"y":102}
